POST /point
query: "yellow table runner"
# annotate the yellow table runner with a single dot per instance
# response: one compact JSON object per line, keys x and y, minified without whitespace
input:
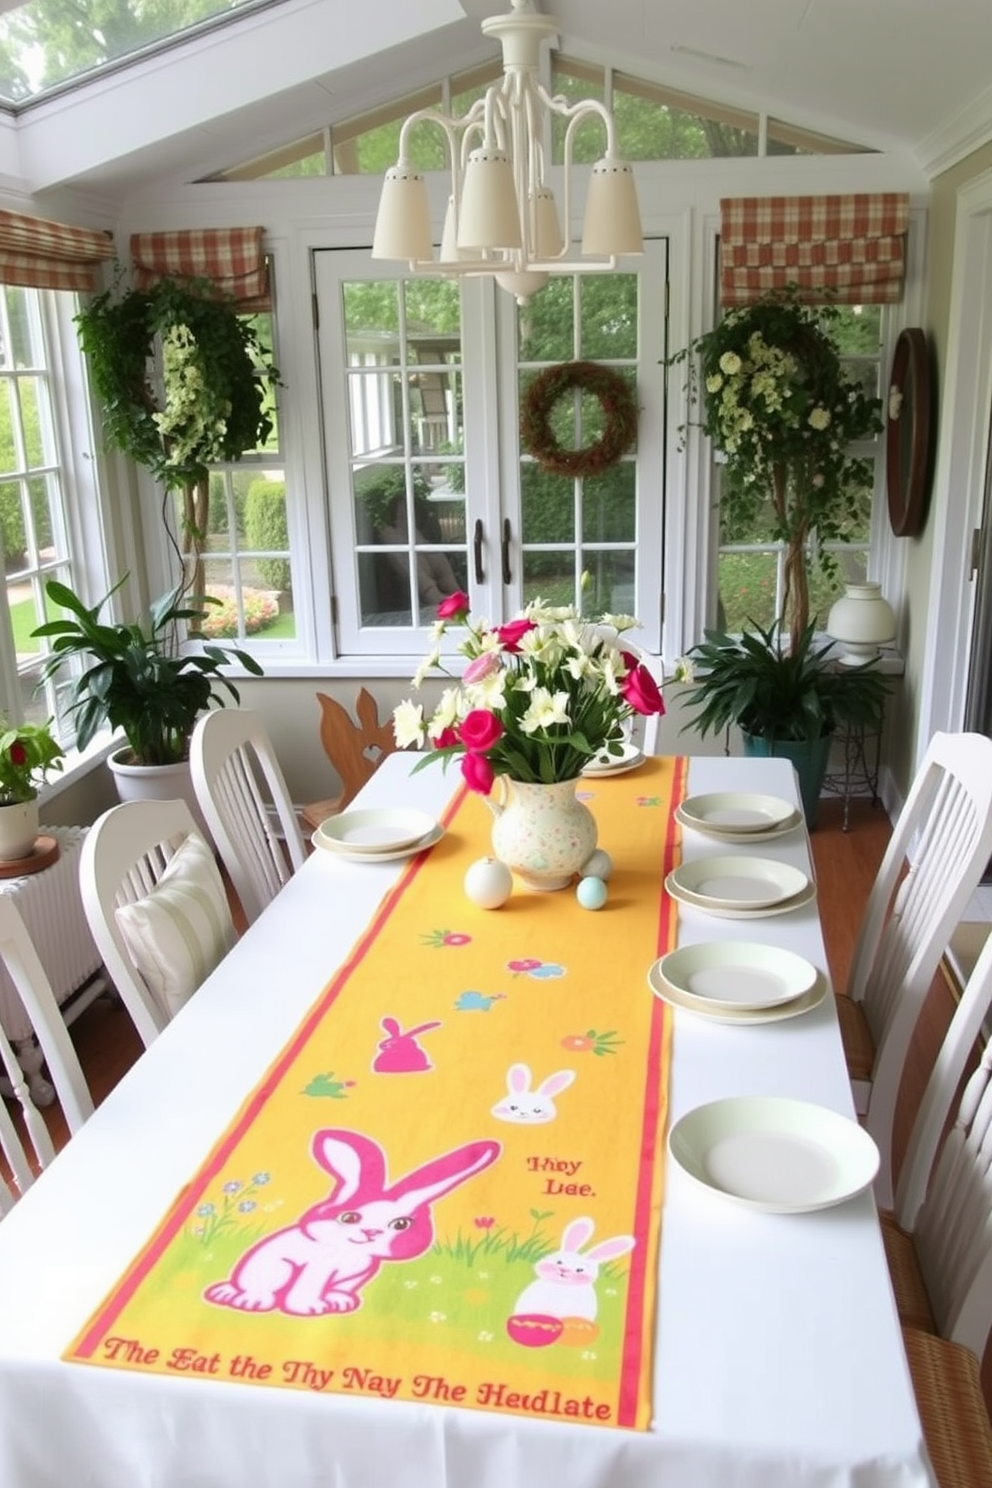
{"x":447,"y":1187}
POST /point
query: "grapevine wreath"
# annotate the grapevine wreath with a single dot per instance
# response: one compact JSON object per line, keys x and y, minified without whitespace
{"x":619,"y":411}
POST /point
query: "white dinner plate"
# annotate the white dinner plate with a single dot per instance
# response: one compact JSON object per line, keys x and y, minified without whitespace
{"x":615,"y":764}
{"x":728,"y":834}
{"x":737,"y":811}
{"x":738,"y":882}
{"x":785,"y":906}
{"x":775,"y":1154}
{"x":388,"y":855}
{"x":739,"y":975}
{"x":386,"y":829}
{"x":737,"y":1017}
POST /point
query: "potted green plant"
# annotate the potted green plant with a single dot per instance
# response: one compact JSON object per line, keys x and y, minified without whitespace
{"x":184,"y":382}
{"x":783,"y":410}
{"x":28,"y":751}
{"x":138,"y":678}
{"x":785,"y":699}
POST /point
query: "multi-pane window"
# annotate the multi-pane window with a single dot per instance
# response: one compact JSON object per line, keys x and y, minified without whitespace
{"x":429,"y":489}
{"x":246,"y":562}
{"x":404,"y":381}
{"x":570,"y":527}
{"x":653,"y":123}
{"x":751,"y":567}
{"x":33,"y":525}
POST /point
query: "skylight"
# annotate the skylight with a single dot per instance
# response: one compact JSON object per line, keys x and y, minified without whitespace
{"x":48,"y":44}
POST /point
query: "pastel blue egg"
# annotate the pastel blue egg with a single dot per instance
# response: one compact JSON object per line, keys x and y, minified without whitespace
{"x":591,"y":893}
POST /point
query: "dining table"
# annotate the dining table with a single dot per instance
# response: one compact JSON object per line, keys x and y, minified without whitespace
{"x":772,"y":1356}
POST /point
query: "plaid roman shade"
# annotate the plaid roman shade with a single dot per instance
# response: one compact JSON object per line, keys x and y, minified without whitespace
{"x":231,"y":256}
{"x":849,"y":250}
{"x":38,"y":254}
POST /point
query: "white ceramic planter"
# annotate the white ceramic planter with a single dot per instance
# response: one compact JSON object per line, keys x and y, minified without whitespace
{"x":861,"y":621}
{"x":18,"y":829}
{"x":155,"y":783}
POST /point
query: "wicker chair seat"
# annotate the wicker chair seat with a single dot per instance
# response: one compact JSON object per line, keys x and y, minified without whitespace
{"x":947,"y":1382}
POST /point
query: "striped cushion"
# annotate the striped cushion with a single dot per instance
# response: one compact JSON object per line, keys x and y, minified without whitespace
{"x":182,"y":929}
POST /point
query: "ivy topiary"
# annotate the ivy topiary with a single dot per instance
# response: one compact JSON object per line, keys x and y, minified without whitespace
{"x":215,"y":377}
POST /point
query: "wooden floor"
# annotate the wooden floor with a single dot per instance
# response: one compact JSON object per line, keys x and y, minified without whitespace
{"x":845,"y":862}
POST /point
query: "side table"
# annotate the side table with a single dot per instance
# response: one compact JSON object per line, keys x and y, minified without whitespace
{"x":862,"y":748}
{"x":51,"y":907}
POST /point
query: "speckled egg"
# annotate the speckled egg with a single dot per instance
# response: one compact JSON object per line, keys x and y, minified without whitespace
{"x":600,"y":865}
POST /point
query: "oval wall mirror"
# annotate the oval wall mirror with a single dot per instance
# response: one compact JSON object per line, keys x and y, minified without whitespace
{"x":907,"y":440}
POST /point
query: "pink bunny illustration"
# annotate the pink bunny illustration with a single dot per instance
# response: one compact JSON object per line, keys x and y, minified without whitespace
{"x":321,"y":1263}
{"x":566,"y":1285}
{"x":399,"y":1053}
{"x":526,"y":1107}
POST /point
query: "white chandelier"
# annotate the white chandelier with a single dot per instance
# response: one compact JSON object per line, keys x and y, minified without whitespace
{"x":502,"y":218}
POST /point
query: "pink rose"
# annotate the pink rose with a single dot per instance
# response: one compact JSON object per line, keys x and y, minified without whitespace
{"x":478,"y":772}
{"x":511,"y":634}
{"x":482,"y":666}
{"x":480,"y":730}
{"x":446,"y":739}
{"x":641,"y":691}
{"x":454,"y":607}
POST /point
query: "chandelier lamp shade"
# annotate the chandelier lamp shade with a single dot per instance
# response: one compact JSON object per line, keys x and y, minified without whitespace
{"x":502,"y":218}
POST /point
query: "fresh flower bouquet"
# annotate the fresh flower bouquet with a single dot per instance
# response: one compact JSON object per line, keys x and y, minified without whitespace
{"x":27,"y":752}
{"x":540,"y":697}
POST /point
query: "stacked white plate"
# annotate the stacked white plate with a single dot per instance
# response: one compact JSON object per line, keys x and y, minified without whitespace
{"x":629,"y":758}
{"x":378,"y":835}
{"x":740,"y":887}
{"x":738,"y":817}
{"x":737,"y":982}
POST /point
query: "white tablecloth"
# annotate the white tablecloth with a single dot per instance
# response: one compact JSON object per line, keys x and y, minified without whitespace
{"x":778,"y":1361}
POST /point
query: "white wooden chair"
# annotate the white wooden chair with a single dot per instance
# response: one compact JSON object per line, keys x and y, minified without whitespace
{"x":246,"y":804}
{"x":35,"y":991}
{"x":939,"y":847}
{"x":939,"y":1250}
{"x":156,"y":906}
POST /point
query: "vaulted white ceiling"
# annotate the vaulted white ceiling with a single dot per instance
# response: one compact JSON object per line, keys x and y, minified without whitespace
{"x":909,"y":76}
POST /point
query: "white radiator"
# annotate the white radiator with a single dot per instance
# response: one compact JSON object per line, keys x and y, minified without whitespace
{"x":52,"y":909}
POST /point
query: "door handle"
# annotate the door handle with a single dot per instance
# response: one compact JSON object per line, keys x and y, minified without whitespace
{"x":505,"y":550}
{"x":477,"y":552}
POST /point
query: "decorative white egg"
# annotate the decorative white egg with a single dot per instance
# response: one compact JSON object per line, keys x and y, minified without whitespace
{"x":488,"y":883}
{"x":591,"y":893}
{"x":600,"y":865}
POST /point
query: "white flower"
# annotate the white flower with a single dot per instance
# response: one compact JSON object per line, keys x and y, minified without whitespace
{"x":683,"y":670}
{"x":427,"y":665}
{"x":408,"y":724}
{"x":620,"y":623}
{"x":730,"y":363}
{"x":546,"y":708}
{"x":819,"y":418}
{"x":714,"y":382}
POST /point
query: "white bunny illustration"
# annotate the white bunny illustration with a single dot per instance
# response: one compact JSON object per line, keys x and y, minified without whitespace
{"x":526,"y":1107}
{"x":567,"y":1280}
{"x":320,"y":1263}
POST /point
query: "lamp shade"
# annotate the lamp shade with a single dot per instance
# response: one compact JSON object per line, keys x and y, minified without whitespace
{"x":403,"y":222}
{"x":613,"y":218}
{"x":861,"y":621}
{"x":489,"y":214}
{"x":449,"y":248}
{"x":546,"y":234}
